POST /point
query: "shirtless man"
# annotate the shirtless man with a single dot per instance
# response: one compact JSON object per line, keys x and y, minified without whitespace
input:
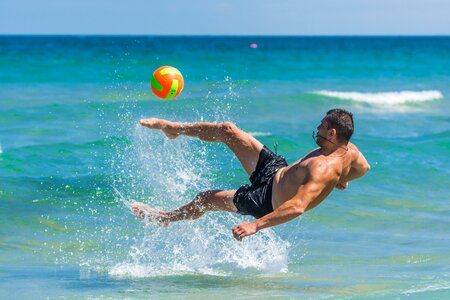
{"x":278,"y":192}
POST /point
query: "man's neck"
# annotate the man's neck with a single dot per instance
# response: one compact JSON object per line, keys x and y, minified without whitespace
{"x":334,"y":149}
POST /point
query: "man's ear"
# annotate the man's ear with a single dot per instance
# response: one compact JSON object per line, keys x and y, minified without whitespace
{"x":332,"y":132}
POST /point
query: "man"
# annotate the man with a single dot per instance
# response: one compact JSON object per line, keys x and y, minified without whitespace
{"x":278,"y":192}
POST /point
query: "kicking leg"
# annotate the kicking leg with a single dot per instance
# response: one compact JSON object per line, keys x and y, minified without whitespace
{"x":203,"y":202}
{"x":243,"y":145}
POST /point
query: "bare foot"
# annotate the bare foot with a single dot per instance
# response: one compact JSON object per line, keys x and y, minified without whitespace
{"x":160,"y":124}
{"x":149,"y":214}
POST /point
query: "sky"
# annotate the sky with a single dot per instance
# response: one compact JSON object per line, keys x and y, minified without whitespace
{"x":232,"y":17}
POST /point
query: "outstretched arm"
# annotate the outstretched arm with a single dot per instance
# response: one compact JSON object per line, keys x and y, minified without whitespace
{"x":294,"y":207}
{"x":211,"y":132}
{"x":359,"y":167}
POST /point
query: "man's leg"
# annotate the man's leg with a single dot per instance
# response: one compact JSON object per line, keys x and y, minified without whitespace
{"x":203,"y":202}
{"x":244,"y":146}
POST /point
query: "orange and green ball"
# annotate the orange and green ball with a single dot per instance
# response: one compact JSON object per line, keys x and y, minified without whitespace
{"x":167,"y":82}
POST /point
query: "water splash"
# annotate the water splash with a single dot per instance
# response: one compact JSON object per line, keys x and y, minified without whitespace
{"x":204,"y":247}
{"x":167,"y":174}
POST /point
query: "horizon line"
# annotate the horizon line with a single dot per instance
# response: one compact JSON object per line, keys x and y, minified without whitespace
{"x":215,"y":35}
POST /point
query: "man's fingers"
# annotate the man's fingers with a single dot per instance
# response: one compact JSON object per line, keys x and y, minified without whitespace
{"x":143,"y":122}
{"x":341,"y":186}
{"x":243,"y":230}
{"x":237,"y":229}
{"x":238,"y":233}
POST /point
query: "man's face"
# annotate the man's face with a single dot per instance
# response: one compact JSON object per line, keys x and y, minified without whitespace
{"x":322,"y":131}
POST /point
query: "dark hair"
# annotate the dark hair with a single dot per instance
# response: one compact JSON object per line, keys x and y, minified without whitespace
{"x":342,"y":121}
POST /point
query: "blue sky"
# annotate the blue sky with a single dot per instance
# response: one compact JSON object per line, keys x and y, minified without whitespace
{"x":233,"y":17}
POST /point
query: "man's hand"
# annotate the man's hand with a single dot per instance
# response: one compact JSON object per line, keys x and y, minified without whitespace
{"x":245,"y":229}
{"x":342,"y":185}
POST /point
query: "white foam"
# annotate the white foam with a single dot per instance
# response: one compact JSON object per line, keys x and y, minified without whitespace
{"x":134,"y":270}
{"x":203,"y":247}
{"x":430,"y":288}
{"x":1,"y":151}
{"x":385,"y":98}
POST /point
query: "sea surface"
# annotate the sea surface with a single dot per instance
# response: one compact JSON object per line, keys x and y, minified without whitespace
{"x":72,"y":154}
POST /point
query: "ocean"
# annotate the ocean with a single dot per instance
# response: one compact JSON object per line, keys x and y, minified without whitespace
{"x":72,"y":154}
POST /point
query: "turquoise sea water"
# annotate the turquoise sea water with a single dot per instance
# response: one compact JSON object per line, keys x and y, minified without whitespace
{"x":71,"y":151}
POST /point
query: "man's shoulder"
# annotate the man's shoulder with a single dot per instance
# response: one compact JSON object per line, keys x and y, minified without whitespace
{"x":318,"y":167}
{"x":354,"y":152}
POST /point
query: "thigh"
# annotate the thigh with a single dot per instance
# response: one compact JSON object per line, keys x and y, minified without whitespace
{"x":220,"y":200}
{"x":244,"y":146}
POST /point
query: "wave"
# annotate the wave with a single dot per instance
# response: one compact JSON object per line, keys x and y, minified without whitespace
{"x":258,"y":133}
{"x":390,"y":98}
{"x":430,"y":288}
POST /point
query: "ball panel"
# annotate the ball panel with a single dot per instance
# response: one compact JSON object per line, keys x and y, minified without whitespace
{"x":180,"y":85}
{"x":169,"y":70}
{"x":167,"y":82}
{"x":155,"y":84}
{"x":173,"y":89}
{"x":159,"y":94}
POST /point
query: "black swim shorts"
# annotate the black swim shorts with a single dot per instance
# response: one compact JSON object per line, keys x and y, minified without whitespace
{"x":256,"y":199}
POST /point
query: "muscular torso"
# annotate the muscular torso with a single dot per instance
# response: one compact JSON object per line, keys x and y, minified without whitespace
{"x":289,"y":179}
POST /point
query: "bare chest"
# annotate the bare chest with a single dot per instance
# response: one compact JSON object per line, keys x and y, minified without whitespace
{"x":287,"y":182}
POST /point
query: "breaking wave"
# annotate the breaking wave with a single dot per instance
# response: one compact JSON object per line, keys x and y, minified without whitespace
{"x":430,"y":288}
{"x":389,"y":98}
{"x":258,"y":133}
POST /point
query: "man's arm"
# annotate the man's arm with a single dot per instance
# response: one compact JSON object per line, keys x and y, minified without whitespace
{"x":358,"y":168}
{"x":319,"y":180}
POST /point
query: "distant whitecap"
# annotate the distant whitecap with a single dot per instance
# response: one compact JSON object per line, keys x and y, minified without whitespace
{"x":257,"y":133}
{"x":433,"y":287}
{"x":390,"y":98}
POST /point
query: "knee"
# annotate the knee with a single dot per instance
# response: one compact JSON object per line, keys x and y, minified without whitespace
{"x":229,"y":129}
{"x":206,"y":201}
{"x":203,"y":198}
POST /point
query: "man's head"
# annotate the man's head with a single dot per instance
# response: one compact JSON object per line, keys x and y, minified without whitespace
{"x":336,"y":127}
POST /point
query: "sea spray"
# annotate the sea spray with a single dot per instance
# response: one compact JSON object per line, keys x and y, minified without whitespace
{"x":166,"y":174}
{"x":205,"y":247}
